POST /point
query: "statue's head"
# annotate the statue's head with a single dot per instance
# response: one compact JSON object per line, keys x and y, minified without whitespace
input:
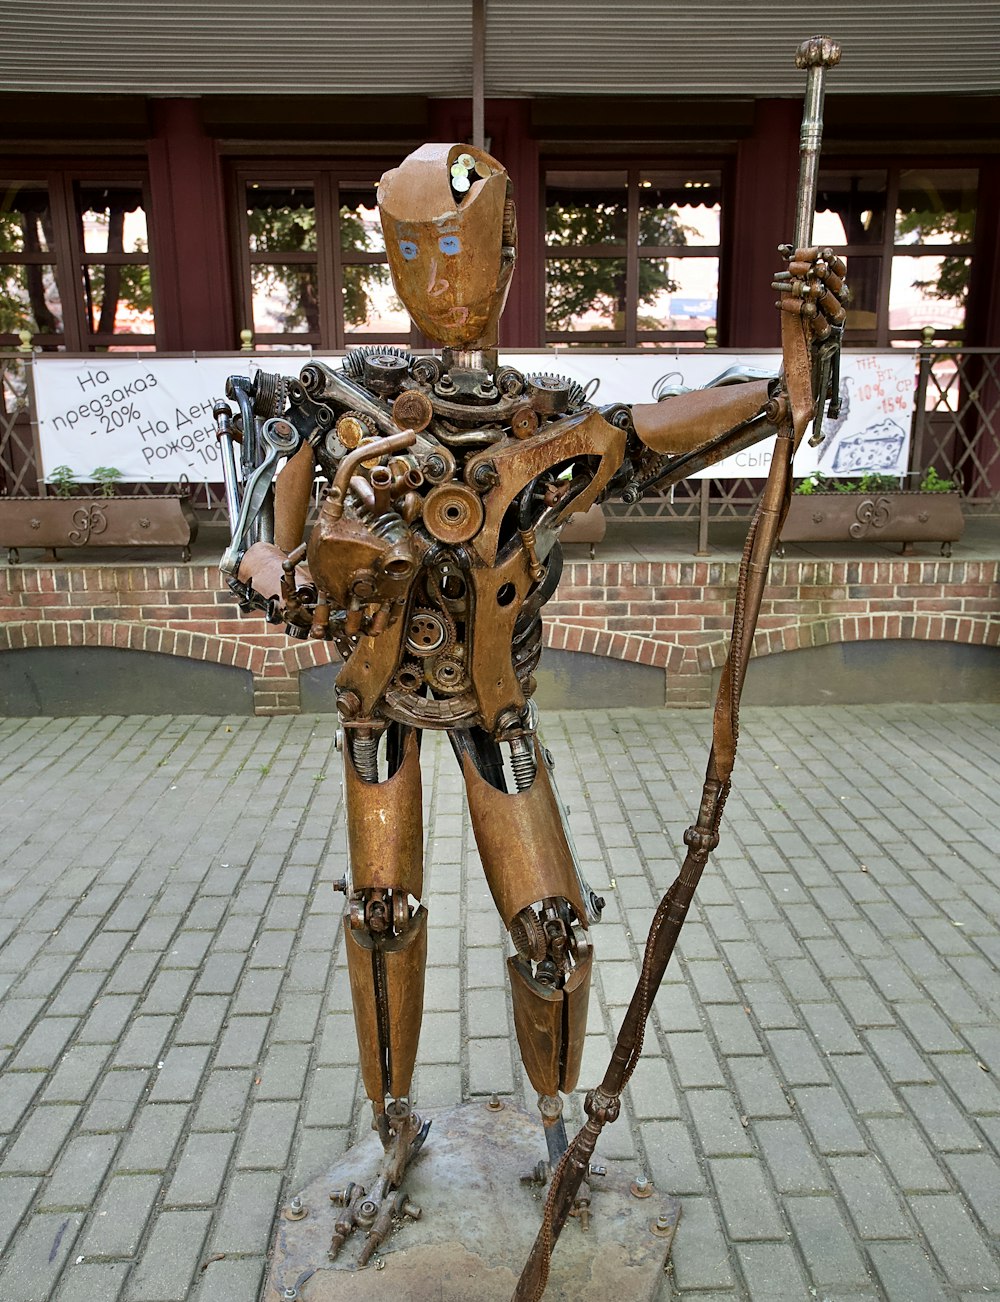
{"x":451,"y":238}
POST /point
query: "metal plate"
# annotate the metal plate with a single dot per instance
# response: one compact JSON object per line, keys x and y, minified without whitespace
{"x":478,"y":1224}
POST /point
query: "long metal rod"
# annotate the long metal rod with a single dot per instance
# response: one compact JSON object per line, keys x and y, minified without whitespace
{"x":479,"y":73}
{"x":815,"y":55}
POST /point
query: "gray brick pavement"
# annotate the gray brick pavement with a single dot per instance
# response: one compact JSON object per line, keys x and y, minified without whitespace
{"x":819,"y":1080}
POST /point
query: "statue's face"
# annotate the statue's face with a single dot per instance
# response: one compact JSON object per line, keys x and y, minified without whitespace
{"x":445,"y":245}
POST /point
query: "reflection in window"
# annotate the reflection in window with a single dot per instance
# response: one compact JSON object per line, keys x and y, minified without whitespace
{"x":29,"y":300}
{"x":370,"y":302}
{"x":285,"y":298}
{"x":936,"y":206}
{"x":117,"y":286}
{"x":928,"y":291}
{"x":25,"y":219}
{"x":586,"y":208}
{"x":360,"y":227}
{"x":585,"y":294}
{"x":655,"y":291}
{"x":678,"y":293}
{"x":679,"y":208}
{"x":863,"y":277}
{"x":281,"y":220}
{"x":850,"y":207}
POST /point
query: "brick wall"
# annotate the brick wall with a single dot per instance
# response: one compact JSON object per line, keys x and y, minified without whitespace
{"x":672,"y":614}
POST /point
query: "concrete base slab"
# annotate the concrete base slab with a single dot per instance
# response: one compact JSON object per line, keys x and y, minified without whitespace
{"x":478,"y":1222}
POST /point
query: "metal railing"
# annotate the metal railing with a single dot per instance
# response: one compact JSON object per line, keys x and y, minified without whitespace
{"x":955,"y":429}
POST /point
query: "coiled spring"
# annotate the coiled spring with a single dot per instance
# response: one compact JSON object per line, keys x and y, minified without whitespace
{"x":522,"y":762}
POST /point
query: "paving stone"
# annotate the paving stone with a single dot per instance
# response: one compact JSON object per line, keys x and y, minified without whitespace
{"x":748,"y":1206}
{"x":832,"y":1126}
{"x":268,"y":1134}
{"x":200,"y":1171}
{"x":718,"y":1123}
{"x":826,"y":1243}
{"x":943,"y":1123}
{"x":244,"y":1221}
{"x":178,"y":1080}
{"x":788,"y":1156}
{"x":905,"y":1271}
{"x":86,"y":1281}
{"x":959,"y":1247}
{"x":699,"y":1257}
{"x":79,"y":1174}
{"x":164,"y":1271}
{"x":143,"y":1042}
{"x":16,"y":1193}
{"x":152,"y":1137}
{"x":909,"y":1159}
{"x":115,"y":1101}
{"x":39,"y":1140}
{"x":875,"y":1208}
{"x":673,"y":1165}
{"x":223,"y":1097}
{"x":230,"y":1281}
{"x":38,"y":1255}
{"x":771,"y":1271}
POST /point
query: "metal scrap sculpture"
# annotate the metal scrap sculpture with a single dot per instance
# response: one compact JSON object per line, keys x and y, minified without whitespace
{"x":435,"y":549}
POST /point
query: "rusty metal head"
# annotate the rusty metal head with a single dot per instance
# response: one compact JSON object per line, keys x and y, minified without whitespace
{"x":450,"y":238}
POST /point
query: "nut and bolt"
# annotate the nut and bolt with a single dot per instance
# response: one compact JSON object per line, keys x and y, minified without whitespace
{"x":296,"y":1209}
{"x":641,"y":1187}
{"x":664,"y":1225}
{"x":496,"y":1103}
{"x":290,"y":1294}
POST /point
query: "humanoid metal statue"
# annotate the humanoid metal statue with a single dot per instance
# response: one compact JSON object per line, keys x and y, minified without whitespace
{"x":435,"y":549}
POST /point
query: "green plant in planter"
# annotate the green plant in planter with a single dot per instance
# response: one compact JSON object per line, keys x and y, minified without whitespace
{"x":107,"y":477}
{"x":933,"y":483}
{"x":62,"y":480}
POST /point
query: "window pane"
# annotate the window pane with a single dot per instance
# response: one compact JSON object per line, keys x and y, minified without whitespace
{"x":937,"y":207}
{"x":586,"y":208}
{"x":25,"y":220}
{"x":928,"y":291}
{"x":112,"y":219}
{"x":679,"y":207}
{"x":863,"y":278}
{"x":360,"y":228}
{"x":585,"y":293}
{"x":370,"y":302}
{"x":850,"y":208}
{"x":281,"y":220}
{"x":678,"y":293}
{"x":29,"y":300}
{"x":285,"y":299}
{"x":119,"y":300}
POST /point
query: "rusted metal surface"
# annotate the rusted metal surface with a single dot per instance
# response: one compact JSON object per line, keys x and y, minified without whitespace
{"x":71,"y":522}
{"x":477,"y":1221}
{"x":435,"y":550}
{"x":878,"y":517}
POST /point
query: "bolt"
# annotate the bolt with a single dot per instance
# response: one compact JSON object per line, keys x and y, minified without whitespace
{"x":496,"y":1103}
{"x":290,"y":1294}
{"x":296,"y":1209}
{"x":641,"y":1187}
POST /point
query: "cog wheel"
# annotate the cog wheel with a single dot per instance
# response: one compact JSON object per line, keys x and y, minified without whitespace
{"x":409,"y":677}
{"x":269,"y":394}
{"x":354,"y":427}
{"x":446,"y":674}
{"x":528,"y":935}
{"x":429,"y":632}
{"x":552,"y":394}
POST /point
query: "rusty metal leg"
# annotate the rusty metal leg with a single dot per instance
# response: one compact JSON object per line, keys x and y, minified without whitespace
{"x":545,"y":904}
{"x":385,"y":936}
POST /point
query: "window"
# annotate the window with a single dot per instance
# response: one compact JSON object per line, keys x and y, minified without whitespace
{"x":75,"y":263}
{"x":908,"y":233}
{"x":631,"y":255}
{"x":312,"y":262}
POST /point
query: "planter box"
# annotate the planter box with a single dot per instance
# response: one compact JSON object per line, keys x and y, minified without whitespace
{"x":53,"y":522}
{"x":875,"y":517}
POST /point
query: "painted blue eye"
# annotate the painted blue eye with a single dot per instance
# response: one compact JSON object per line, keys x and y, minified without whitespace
{"x":449,"y":244}
{"x":408,"y":249}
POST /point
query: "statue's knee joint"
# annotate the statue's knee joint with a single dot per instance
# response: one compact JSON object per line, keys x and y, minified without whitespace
{"x":381,"y":911}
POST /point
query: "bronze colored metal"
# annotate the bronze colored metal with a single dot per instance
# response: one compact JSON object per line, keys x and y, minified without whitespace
{"x":384,"y":826}
{"x":453,"y":513}
{"x":445,"y":249}
{"x":576,"y":994}
{"x":432,"y":558}
{"x":691,"y":420}
{"x":412,"y":410}
{"x":538,"y":1022}
{"x":531,"y":820}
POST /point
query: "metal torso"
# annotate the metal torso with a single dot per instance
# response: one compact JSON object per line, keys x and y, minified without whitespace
{"x":432,"y":558}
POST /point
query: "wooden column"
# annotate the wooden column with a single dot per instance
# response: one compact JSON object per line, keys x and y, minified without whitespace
{"x":188,"y":233}
{"x":759,"y":218}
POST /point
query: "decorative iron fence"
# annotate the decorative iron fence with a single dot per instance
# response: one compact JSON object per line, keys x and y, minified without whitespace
{"x":955,"y":430}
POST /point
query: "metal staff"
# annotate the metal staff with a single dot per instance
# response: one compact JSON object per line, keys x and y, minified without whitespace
{"x":602,"y":1105}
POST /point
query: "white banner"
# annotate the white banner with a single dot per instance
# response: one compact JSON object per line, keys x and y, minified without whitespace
{"x":151,"y":418}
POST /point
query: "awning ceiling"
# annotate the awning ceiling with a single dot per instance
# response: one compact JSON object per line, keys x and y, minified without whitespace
{"x":533,"y":47}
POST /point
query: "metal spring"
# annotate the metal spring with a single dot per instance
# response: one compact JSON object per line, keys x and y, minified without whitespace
{"x":364,"y":752}
{"x":522,"y":762}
